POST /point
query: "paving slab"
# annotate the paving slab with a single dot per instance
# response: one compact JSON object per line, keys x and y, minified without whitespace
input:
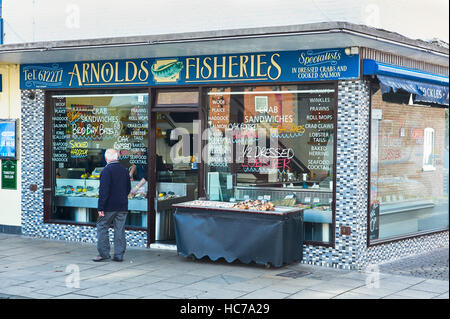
{"x":16,"y":290}
{"x":248,"y":285}
{"x":416,"y":294}
{"x":183,"y":293}
{"x":355,"y":275}
{"x":327,"y":287}
{"x":399,"y":296}
{"x":141,"y":291}
{"x":103,"y":290}
{"x":35,"y":295}
{"x":402,"y":279}
{"x":166,"y":271}
{"x":57,"y":291}
{"x":74,"y":296}
{"x":164,"y":285}
{"x":91,"y":273}
{"x":184,"y":279}
{"x":118,"y":296}
{"x":225,"y":279}
{"x":394,"y":285}
{"x":8,"y":282}
{"x":435,"y":282}
{"x":352,"y":295}
{"x":45,"y":283}
{"x":347,"y":282}
{"x":304,"y":282}
{"x":213,"y":293}
{"x":443,"y":296}
{"x":91,"y":283}
{"x":265,"y":293}
{"x":287,"y":288}
{"x":431,"y":287}
{"x":311,"y":294}
{"x":159,"y":296}
{"x":373,"y":291}
{"x":146,"y":278}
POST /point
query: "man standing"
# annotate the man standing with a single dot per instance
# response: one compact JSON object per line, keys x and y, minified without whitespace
{"x":112,"y":207}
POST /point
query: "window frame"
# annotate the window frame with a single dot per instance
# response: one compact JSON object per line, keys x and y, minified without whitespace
{"x":374,"y":86}
{"x":334,"y":85}
{"x":49,"y":180}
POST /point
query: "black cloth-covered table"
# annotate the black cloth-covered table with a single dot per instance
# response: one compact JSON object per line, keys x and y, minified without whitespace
{"x":264,"y":237}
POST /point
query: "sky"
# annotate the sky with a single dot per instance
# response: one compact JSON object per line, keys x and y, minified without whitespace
{"x":45,"y":20}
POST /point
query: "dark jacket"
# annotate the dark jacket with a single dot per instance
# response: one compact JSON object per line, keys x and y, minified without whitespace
{"x":114,"y":188}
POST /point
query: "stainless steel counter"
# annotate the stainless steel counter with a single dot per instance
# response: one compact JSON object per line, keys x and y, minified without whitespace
{"x":139,"y":205}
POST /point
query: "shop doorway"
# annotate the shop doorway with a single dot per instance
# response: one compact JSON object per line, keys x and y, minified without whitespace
{"x":175,"y":174}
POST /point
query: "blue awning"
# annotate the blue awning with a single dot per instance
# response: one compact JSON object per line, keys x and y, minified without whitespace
{"x":426,"y":87}
{"x":423,"y":92}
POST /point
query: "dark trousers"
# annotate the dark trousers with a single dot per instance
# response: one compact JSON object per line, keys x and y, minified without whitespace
{"x":120,"y":242}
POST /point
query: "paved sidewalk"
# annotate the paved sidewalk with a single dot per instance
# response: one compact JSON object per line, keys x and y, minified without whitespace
{"x":432,"y":265}
{"x":46,"y":269}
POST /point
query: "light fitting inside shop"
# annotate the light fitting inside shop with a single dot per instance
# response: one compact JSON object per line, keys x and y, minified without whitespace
{"x":273,"y":92}
{"x":97,"y":95}
{"x":209,"y":93}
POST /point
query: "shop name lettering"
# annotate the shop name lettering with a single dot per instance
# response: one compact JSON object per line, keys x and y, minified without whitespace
{"x":197,"y":69}
{"x":135,"y":72}
{"x":233,"y":67}
{"x":96,"y":72}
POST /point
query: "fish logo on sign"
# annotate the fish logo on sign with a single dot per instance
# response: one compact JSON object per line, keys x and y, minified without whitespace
{"x":166,"y":70}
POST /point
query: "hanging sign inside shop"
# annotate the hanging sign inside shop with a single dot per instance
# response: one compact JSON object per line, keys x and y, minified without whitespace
{"x":9,"y":174}
{"x":282,"y":66}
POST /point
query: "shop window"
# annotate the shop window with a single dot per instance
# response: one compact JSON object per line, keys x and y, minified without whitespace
{"x":408,"y":170}
{"x":274,"y":143}
{"x":83,"y":127}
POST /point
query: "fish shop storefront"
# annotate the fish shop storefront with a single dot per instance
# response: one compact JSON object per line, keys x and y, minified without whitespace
{"x":363,"y":152}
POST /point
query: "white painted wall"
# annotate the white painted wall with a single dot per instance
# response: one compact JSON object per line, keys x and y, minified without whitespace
{"x":10,"y":200}
{"x":43,"y":20}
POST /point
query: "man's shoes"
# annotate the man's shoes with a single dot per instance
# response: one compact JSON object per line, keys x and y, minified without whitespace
{"x":100,"y":258}
{"x":117,"y":259}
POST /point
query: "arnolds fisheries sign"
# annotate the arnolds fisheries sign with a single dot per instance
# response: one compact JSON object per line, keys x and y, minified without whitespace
{"x":283,"y":66}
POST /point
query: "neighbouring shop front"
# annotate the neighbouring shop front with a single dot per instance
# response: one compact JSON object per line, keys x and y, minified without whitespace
{"x":200,"y":127}
{"x":409,"y":152}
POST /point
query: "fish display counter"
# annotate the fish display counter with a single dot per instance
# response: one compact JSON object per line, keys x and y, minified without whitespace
{"x":82,"y":194}
{"x":248,"y":231}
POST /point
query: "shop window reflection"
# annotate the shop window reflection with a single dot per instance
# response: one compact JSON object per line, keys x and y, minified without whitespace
{"x":409,"y":168}
{"x":274,"y":143}
{"x":83,"y":127}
